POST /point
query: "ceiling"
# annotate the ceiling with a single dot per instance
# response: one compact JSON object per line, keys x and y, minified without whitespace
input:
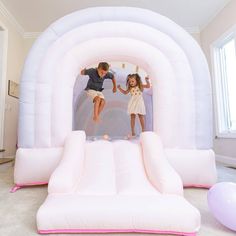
{"x":36,"y":15}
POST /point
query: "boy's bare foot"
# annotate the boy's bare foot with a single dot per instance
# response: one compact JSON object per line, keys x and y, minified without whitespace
{"x":96,"y":119}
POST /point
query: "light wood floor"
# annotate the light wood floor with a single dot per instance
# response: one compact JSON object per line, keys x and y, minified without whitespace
{"x":18,"y":210}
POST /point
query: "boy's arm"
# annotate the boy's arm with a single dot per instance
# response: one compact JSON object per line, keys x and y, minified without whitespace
{"x":82,"y":72}
{"x":114,"y":85}
{"x":87,"y":71}
{"x":147,"y":85}
{"x":122,"y":90}
{"x":111,"y":76}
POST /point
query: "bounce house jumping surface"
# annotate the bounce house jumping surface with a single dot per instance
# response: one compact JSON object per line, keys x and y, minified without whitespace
{"x":117,"y":185}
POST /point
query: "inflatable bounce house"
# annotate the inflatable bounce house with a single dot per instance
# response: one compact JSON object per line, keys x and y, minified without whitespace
{"x":116,"y":185}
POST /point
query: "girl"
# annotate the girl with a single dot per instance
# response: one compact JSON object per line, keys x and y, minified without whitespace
{"x":136,"y":104}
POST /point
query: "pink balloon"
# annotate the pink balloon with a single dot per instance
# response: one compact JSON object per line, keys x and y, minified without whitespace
{"x":222,"y":203}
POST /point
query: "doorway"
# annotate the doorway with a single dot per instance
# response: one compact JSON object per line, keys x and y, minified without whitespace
{"x":3,"y":66}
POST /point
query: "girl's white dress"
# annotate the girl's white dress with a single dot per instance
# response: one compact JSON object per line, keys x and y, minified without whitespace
{"x":136,"y":102}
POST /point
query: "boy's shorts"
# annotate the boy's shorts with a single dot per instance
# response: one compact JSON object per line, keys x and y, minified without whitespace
{"x":93,"y":93}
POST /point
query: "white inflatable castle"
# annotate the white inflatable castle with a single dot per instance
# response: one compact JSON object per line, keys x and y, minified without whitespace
{"x":121,"y":185}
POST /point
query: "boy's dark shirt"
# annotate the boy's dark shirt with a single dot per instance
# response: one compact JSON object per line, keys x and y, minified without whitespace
{"x":95,"y":82}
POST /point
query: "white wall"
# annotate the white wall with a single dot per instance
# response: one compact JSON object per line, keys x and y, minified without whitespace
{"x":14,"y":65}
{"x":197,"y":37}
{"x":28,"y":43}
{"x":220,"y":24}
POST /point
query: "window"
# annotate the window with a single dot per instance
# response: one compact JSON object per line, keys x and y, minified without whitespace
{"x":224,"y":52}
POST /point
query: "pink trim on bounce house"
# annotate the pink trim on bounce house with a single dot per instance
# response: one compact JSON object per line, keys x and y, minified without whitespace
{"x":18,"y":186}
{"x":51,"y":231}
{"x":197,"y":186}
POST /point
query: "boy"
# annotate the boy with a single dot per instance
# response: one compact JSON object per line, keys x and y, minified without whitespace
{"x":94,"y":86}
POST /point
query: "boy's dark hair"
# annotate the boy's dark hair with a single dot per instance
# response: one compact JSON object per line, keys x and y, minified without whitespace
{"x":103,"y":66}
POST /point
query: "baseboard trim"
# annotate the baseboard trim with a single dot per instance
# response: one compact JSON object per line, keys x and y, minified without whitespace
{"x":226,"y":160}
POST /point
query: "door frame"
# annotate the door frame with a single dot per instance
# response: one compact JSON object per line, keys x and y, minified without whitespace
{"x":3,"y":80}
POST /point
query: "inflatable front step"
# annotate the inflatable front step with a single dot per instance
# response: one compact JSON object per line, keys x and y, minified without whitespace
{"x":160,"y":213}
{"x":119,"y":186}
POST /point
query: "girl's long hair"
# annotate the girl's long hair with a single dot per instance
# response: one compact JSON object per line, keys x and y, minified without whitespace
{"x":138,"y":80}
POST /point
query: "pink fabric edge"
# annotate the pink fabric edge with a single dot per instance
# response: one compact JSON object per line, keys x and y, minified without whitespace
{"x":51,"y":231}
{"x":44,"y":183}
{"x":18,"y":186}
{"x":197,"y":186}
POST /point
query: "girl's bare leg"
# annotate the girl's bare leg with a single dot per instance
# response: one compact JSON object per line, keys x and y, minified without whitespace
{"x":142,"y":122}
{"x":101,"y":106}
{"x":96,"y":101}
{"x":132,"y":123}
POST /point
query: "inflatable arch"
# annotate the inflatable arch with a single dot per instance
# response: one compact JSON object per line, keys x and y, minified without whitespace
{"x":173,"y":59}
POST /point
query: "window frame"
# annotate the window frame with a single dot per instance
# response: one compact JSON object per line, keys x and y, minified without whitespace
{"x":217,"y":84}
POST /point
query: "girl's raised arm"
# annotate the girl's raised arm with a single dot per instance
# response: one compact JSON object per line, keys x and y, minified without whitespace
{"x":147,"y":85}
{"x":122,"y":90}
